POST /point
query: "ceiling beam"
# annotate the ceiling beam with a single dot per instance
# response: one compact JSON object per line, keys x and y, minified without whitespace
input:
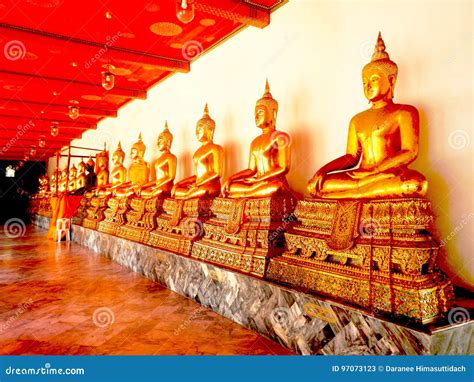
{"x":165,"y":63}
{"x":116,"y":91}
{"x":240,"y":11}
{"x":10,"y":120}
{"x":38,"y":108}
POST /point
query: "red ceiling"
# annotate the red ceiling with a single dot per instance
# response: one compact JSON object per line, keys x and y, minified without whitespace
{"x":52,"y":52}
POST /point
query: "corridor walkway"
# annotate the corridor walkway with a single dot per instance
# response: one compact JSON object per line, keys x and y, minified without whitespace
{"x":65,"y":299}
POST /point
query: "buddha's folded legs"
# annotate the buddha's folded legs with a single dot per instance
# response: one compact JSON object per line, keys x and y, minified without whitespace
{"x":242,"y":189}
{"x":408,"y":183}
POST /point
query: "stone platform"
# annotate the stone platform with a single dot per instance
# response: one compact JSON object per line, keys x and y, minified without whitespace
{"x":304,"y":323}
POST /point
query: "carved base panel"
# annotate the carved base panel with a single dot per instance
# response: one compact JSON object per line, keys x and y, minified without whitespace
{"x":245,"y":233}
{"x":423,"y":299}
{"x":173,"y":242}
{"x":141,"y":219}
{"x":115,"y":215}
{"x":180,"y":225}
{"x":244,"y":259}
{"x":90,"y":223}
{"x":377,"y":254}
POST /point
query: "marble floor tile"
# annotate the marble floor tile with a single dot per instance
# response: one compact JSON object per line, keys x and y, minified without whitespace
{"x":65,"y":299}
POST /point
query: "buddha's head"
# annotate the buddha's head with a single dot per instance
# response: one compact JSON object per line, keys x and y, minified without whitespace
{"x":165,"y":139}
{"x":81,"y":168}
{"x":53,"y":177}
{"x":102,"y":161}
{"x":205,"y":127}
{"x":118,"y":156}
{"x":72,"y":172}
{"x":380,"y":74}
{"x":64,"y":174}
{"x":266,"y":110}
{"x":90,"y":163}
{"x":138,"y":149}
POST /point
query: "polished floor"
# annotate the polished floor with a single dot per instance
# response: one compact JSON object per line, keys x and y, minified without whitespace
{"x":65,"y":299}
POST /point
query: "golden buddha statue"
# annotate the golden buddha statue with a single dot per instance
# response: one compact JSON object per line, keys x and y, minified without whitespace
{"x":269,"y":160}
{"x":382,"y":142}
{"x":71,"y":186}
{"x":119,"y":203}
{"x":102,"y":169}
{"x":116,"y":177}
{"x":62,"y":183}
{"x":165,"y":169}
{"x":366,"y":236}
{"x":81,"y":175}
{"x":208,"y":164}
{"x":138,"y":172}
{"x":246,"y":226}
{"x":181,"y":222}
{"x":52,"y":183}
{"x":148,"y":202}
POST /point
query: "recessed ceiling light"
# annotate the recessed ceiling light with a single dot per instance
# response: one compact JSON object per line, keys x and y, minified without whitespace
{"x":55,"y":94}
{"x":108,"y":15}
{"x":74,"y":64}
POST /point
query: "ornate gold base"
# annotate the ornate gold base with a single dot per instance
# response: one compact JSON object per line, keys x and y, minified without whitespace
{"x":245,"y":234}
{"x":180,"y":225}
{"x":115,"y":215}
{"x":376,"y":254}
{"x":95,"y":212}
{"x":81,"y":212}
{"x":141,"y":219}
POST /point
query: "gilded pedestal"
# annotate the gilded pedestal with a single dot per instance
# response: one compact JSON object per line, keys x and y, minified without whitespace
{"x":245,"y":233}
{"x":180,"y":225}
{"x":115,"y":215}
{"x":378,"y":254}
{"x":95,"y":212}
{"x":141,"y":219}
{"x":81,"y":213}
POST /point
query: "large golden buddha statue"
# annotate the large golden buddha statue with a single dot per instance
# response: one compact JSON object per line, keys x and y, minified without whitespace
{"x":269,"y":160}
{"x":208,"y":164}
{"x":181,"y":222}
{"x":63,"y":183}
{"x":366,"y":237}
{"x":98,"y":198}
{"x":382,"y":142}
{"x":246,"y":226}
{"x":138,"y":172}
{"x":71,"y":187}
{"x":119,"y":203}
{"x":52,"y":182}
{"x":116,"y":177}
{"x":148,"y":202}
{"x":81,"y":175}
{"x":165,"y":168}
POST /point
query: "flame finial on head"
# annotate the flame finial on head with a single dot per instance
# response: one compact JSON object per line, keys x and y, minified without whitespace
{"x":379,"y":50}
{"x":268,"y":101}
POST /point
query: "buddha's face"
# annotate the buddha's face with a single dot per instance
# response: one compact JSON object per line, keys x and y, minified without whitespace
{"x":134,"y":153}
{"x":117,"y":159}
{"x":72,"y":173}
{"x":263,"y":118}
{"x":202,"y":132}
{"x":102,"y":163}
{"x":162,"y":143}
{"x":81,"y":168}
{"x":376,"y":84}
